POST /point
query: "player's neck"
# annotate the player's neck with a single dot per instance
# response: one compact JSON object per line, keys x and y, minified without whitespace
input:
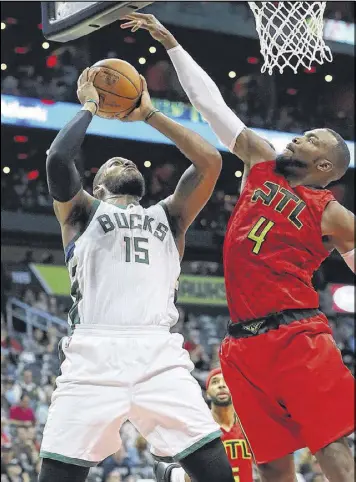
{"x":306,"y":181}
{"x":224,"y":416}
{"x":123,"y":200}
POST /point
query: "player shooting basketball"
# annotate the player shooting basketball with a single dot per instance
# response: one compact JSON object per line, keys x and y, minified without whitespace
{"x":284,"y":371}
{"x":122,"y":363}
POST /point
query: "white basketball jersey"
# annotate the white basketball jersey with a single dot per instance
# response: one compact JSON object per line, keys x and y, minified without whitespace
{"x":124,"y":268}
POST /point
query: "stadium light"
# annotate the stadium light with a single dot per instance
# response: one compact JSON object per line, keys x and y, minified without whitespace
{"x":6,"y":170}
{"x":232,"y":74}
{"x":3,"y":25}
{"x":142,"y":60}
{"x":45,"y":45}
{"x":328,"y":78}
{"x":152,"y":50}
{"x":3,"y":66}
{"x":147,"y":164}
{"x":238,"y":174}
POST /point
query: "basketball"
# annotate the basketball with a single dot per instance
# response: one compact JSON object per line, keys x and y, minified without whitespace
{"x":119,"y":87}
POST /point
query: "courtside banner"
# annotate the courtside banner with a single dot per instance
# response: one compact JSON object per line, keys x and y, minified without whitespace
{"x":42,"y":114}
{"x":194,"y":290}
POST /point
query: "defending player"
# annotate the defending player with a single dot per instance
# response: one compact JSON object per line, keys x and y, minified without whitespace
{"x":284,"y":371}
{"x":236,"y":446}
{"x":122,"y":363}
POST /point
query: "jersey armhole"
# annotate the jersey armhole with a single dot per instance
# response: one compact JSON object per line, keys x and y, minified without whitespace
{"x":170,"y":219}
{"x":69,"y":249}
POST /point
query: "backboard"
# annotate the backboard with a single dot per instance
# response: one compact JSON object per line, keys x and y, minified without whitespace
{"x":65,"y":21}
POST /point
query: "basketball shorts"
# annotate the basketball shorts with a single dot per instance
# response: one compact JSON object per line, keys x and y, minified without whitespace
{"x":109,"y":376}
{"x":290,"y":388}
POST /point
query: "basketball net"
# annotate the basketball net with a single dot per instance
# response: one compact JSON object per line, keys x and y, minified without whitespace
{"x":291,"y":34}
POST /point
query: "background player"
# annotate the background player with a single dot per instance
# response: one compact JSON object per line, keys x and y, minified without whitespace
{"x":122,"y":362}
{"x":236,"y":446}
{"x":291,"y":382}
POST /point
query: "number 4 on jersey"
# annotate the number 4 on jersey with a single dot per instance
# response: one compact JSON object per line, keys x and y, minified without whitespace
{"x":261,"y":237}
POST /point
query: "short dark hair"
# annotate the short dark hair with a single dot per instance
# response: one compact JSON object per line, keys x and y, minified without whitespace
{"x":340,"y":153}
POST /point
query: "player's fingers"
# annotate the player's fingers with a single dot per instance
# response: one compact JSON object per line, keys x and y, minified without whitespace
{"x":137,"y":26}
{"x":82,"y":77}
{"x":128,"y":24}
{"x":144,"y":83}
{"x":136,"y":15}
{"x":92,"y":73}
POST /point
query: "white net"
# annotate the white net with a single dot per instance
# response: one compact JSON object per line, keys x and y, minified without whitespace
{"x":291,"y":34}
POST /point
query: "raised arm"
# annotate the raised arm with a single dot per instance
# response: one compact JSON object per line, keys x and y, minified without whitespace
{"x":63,"y":179}
{"x":205,"y":95}
{"x":339,"y":224}
{"x":198,"y":181}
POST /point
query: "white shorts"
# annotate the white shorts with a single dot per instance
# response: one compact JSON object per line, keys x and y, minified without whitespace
{"x":110,"y":376}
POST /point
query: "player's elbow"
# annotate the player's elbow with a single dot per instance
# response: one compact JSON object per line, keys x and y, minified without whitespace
{"x":53,"y":157}
{"x":214,"y":161}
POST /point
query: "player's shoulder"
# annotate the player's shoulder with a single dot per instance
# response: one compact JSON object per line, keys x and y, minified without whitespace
{"x":320,"y":198}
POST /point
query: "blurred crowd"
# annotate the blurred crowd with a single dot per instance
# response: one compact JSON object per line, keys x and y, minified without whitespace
{"x":257,"y":99}
{"x":19,"y":193}
{"x":271,"y":102}
{"x":30,"y":364}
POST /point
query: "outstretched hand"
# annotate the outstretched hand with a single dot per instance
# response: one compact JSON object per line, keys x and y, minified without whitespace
{"x":144,"y":108}
{"x":149,"y":22}
{"x":86,"y":90}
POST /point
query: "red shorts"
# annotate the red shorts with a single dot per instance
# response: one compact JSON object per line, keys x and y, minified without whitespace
{"x":290,"y":388}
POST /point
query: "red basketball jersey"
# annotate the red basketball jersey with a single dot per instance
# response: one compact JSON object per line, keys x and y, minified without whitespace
{"x":238,"y":453}
{"x":273,"y":245}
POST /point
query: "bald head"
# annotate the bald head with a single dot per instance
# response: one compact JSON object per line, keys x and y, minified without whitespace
{"x":339,"y":154}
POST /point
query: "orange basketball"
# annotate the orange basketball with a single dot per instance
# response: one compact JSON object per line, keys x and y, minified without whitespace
{"x":119,"y":87}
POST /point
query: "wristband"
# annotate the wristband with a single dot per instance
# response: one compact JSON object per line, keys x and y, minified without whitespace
{"x":150,"y":114}
{"x":94,"y":102}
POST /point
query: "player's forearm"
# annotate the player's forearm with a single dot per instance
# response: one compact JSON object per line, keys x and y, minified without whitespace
{"x":62,"y":176}
{"x":205,"y":96}
{"x":200,"y":152}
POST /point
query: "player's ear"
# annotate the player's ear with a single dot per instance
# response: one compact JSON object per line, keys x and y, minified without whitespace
{"x":99,"y":191}
{"x":324,"y":165}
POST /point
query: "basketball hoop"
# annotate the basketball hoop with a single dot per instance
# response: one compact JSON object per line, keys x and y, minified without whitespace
{"x":291,"y":34}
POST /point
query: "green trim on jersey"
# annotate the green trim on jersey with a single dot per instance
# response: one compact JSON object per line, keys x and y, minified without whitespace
{"x":197,"y":445}
{"x":68,"y":460}
{"x":73,"y":313}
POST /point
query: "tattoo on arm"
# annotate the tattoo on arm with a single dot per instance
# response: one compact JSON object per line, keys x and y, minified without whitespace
{"x":189,"y":182}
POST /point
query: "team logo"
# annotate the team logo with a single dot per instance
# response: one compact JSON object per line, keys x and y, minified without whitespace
{"x":253,"y":327}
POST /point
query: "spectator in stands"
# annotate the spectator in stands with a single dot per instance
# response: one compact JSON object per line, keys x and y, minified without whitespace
{"x":22,"y":414}
{"x":9,"y":395}
{"x":10,"y":345}
{"x":43,"y":406}
{"x":115,"y":476}
{"x":118,"y":460}
{"x":5,"y":433}
{"x":42,"y":301}
{"x":28,"y":387}
{"x":25,"y":449}
{"x":161,"y":183}
{"x":143,"y":459}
